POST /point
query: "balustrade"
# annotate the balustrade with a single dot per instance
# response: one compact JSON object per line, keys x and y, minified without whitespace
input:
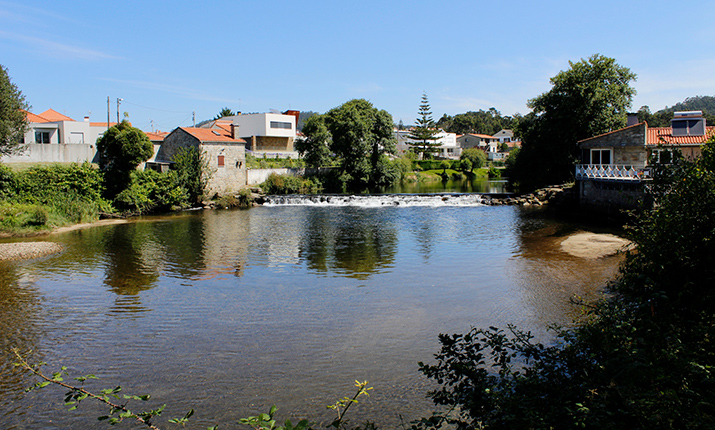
{"x":611,"y":172}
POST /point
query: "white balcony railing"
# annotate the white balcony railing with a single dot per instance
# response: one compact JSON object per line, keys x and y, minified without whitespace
{"x":611,"y":172}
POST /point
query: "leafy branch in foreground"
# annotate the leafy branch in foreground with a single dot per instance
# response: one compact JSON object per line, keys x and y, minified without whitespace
{"x":119,"y":411}
{"x":118,"y":405}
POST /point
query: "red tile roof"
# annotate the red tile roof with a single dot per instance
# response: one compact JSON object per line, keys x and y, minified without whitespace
{"x":31,"y":117}
{"x":156,"y":136}
{"x":102,"y":124}
{"x":664,"y":136}
{"x":212,"y":135}
{"x":52,"y":116}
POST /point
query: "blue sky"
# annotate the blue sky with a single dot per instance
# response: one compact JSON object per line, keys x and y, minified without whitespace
{"x":169,"y":59}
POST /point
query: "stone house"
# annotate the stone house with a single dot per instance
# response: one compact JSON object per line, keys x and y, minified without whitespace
{"x":226,"y":155}
{"x":615,"y":165}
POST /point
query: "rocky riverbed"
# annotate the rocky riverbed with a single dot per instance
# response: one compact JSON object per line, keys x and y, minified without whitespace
{"x":28,"y":250}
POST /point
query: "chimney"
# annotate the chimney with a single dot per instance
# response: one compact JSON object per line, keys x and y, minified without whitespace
{"x":234,"y":131}
{"x":632,"y":119}
{"x":86,"y":119}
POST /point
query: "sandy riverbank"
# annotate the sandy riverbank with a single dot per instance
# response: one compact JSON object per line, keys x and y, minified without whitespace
{"x":30,"y":250}
{"x":594,"y":245}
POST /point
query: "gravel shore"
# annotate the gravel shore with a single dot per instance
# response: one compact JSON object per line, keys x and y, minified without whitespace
{"x":28,"y":250}
{"x":593,"y":245}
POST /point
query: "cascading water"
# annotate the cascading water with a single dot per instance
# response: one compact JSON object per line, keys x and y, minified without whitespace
{"x":405,"y":200}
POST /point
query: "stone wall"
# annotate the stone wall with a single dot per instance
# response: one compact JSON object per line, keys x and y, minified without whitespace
{"x":628,"y":145}
{"x":609,"y":197}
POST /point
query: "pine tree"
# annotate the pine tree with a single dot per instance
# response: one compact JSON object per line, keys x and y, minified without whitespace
{"x":424,"y":133}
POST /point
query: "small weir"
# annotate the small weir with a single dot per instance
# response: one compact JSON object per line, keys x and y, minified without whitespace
{"x":378,"y":200}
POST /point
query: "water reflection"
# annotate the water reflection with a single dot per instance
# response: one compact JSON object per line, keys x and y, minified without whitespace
{"x":548,"y":277}
{"x":20,"y":316}
{"x":284,"y":300}
{"x":450,"y":186}
{"x":354,"y":242}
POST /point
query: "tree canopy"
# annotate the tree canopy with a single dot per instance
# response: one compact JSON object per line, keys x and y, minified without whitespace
{"x":121,"y":149}
{"x":225,"y":112}
{"x":641,"y":358}
{"x":589,"y":99}
{"x":424,"y":133}
{"x":359,"y":135}
{"x":13,"y":117}
{"x":480,"y":122}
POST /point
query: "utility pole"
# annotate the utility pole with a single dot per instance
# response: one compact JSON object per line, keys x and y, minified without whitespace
{"x":107,"y":112}
{"x":193,"y":116}
{"x":118,"y":102}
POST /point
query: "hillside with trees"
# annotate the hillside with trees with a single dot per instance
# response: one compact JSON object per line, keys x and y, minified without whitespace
{"x":662,"y":118}
{"x":480,"y":122}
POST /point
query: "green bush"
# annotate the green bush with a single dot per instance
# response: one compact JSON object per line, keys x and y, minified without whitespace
{"x":287,"y":184}
{"x":14,"y":217}
{"x":494,"y":173}
{"x":149,"y":191}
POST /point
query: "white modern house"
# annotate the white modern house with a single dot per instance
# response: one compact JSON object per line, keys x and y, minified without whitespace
{"x":272,"y":134}
{"x":54,"y":137}
{"x":448,"y":143}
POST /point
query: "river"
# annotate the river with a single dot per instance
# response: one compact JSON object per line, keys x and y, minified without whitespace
{"x":231,"y":311}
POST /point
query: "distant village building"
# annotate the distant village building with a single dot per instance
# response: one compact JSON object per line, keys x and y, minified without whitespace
{"x":614,"y":166}
{"x":504,"y":136}
{"x":54,"y":137}
{"x":225,"y":152}
{"x":448,"y":143}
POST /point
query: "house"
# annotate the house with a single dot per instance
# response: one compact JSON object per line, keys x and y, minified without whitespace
{"x":54,"y":137}
{"x":615,"y":165}
{"x":504,"y":135}
{"x":224,"y":151}
{"x":448,"y":143}
{"x":272,"y":134}
{"x":482,"y":141}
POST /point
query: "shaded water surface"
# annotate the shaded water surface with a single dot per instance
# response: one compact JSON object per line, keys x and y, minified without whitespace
{"x":228,"y":312}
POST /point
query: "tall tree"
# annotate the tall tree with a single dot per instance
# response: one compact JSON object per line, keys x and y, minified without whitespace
{"x":590,"y":98}
{"x":121,"y":149}
{"x":13,"y":117}
{"x":360,"y":136}
{"x":424,"y":134}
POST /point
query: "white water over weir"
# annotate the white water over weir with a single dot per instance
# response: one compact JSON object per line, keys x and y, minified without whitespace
{"x":377,"y":200}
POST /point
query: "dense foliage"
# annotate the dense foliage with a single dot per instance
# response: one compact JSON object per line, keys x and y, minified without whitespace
{"x":662,"y":118}
{"x":424,"y":133}
{"x":589,"y":99}
{"x":13,"y":120}
{"x":120,"y":150}
{"x":641,"y":359}
{"x":476,"y":157}
{"x":481,"y":122}
{"x":360,"y":136}
{"x":42,"y":197}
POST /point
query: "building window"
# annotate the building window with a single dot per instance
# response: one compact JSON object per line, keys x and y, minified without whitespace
{"x":221,"y":161}
{"x":600,"y":156}
{"x":279,"y":124}
{"x":42,"y":137}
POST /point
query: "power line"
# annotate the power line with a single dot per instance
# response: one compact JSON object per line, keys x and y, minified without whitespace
{"x":160,"y":110}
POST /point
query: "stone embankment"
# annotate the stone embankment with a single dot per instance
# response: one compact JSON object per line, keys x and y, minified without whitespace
{"x":556,"y":194}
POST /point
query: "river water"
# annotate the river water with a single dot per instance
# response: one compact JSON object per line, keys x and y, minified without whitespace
{"x":231,"y":311}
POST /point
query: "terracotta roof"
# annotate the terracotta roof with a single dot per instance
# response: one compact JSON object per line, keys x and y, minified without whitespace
{"x":483,"y":136}
{"x":102,"y":124}
{"x":156,"y":136}
{"x":211,"y":135}
{"x":664,"y":136}
{"x":52,"y":116}
{"x":31,"y":117}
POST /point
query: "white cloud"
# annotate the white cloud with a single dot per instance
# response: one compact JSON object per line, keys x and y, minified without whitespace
{"x":55,"y":49}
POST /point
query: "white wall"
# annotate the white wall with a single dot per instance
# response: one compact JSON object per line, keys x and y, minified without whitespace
{"x":259,"y":124}
{"x":54,"y":153}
